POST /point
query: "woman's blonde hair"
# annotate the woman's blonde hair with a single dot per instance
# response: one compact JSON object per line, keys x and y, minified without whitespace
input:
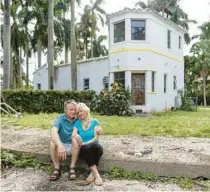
{"x":84,"y":107}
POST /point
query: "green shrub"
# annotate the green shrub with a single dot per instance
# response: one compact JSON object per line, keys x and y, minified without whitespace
{"x":114,"y":102}
{"x":37,"y":101}
{"x":187,"y":103}
{"x":7,"y":159}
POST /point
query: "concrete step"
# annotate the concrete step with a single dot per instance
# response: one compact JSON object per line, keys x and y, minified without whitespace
{"x":163,"y":156}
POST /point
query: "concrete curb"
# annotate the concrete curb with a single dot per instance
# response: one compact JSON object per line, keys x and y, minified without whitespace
{"x":157,"y":168}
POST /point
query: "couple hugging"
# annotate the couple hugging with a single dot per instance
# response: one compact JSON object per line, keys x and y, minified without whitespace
{"x":76,"y":133}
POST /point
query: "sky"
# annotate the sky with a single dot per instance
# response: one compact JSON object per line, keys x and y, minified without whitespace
{"x":196,"y":10}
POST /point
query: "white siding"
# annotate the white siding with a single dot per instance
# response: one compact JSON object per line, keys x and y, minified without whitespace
{"x":62,"y":77}
{"x":95,"y":71}
{"x":41,"y":77}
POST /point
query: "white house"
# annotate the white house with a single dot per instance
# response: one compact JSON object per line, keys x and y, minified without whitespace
{"x":145,"y":55}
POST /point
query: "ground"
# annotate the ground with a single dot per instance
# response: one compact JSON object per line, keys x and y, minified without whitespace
{"x":37,"y":180}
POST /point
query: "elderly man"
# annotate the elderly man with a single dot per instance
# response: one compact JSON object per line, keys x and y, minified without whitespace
{"x":61,"y":143}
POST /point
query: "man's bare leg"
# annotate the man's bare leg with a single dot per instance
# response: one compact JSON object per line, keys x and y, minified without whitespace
{"x":74,"y":152}
{"x":54,"y":155}
{"x":74,"y":156}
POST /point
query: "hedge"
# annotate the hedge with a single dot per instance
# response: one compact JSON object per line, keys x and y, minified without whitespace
{"x":37,"y":101}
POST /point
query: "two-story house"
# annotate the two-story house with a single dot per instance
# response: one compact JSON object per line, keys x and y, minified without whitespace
{"x":145,"y":55}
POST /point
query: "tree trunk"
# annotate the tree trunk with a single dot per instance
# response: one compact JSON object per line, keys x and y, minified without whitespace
{"x":73,"y":49}
{"x":27,"y":67}
{"x":66,"y":50}
{"x":11,"y":70}
{"x":50,"y":49}
{"x":91,"y":47}
{"x":39,"y":53}
{"x":86,"y":48}
{"x":66,"y":55}
{"x":7,"y":39}
{"x":204,"y":90}
{"x":20,"y":69}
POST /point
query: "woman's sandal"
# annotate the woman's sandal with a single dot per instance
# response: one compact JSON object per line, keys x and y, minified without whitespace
{"x":98,"y":181}
{"x":72,"y":173}
{"x":55,"y":175}
{"x":90,"y":178}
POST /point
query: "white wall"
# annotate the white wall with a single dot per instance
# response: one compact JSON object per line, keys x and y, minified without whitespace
{"x":95,"y":71}
{"x":62,"y":77}
{"x":41,"y":77}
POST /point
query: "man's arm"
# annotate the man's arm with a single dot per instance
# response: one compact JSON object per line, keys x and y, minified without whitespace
{"x":76,"y":136}
{"x":55,"y":137}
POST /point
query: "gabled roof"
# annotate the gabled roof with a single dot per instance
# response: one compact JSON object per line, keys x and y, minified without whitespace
{"x":154,"y":13}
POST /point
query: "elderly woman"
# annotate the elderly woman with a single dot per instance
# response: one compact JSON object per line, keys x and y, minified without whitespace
{"x":90,"y":150}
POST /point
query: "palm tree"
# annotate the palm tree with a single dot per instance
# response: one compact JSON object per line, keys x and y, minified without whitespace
{"x":205,"y":31}
{"x":161,"y":6}
{"x":170,"y":9}
{"x":202,"y":51}
{"x":73,"y":48}
{"x":19,"y":42}
{"x":50,"y":49}
{"x":25,"y":17}
{"x":84,"y":28}
{"x":6,"y":45}
{"x":95,"y":13}
{"x":98,"y":48}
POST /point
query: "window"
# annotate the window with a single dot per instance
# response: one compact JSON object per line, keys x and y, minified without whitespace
{"x":175,"y":82}
{"x":86,"y":84}
{"x":138,"y":29}
{"x":153,"y":81}
{"x":39,"y":86}
{"x":106,"y":82}
{"x":119,"y":32}
{"x":165,"y":82}
{"x":120,"y":78}
{"x":169,"y":39}
{"x":180,"y":42}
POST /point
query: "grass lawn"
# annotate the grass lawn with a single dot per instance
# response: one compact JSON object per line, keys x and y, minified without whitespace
{"x":201,"y":106}
{"x":179,"y":123}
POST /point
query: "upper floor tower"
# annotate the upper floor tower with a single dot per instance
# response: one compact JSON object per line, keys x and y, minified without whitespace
{"x":132,"y":29}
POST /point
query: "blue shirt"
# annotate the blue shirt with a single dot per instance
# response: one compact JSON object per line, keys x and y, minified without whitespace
{"x":89,"y":133}
{"x":65,"y":128}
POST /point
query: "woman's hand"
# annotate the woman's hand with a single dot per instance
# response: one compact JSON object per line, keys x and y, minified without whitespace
{"x":99,"y":130}
{"x":83,"y":144}
{"x":78,"y":139}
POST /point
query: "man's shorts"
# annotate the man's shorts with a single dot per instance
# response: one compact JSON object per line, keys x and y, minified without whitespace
{"x":67,"y":148}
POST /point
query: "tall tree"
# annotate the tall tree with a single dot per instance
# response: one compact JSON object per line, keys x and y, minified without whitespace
{"x":98,"y":48}
{"x":25,"y":17}
{"x":191,"y":76}
{"x":202,"y":51}
{"x":6,"y":45}
{"x":73,"y":49}
{"x":96,"y":12}
{"x":50,"y":50}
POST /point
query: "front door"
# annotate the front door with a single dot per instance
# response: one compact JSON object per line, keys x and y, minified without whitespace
{"x":138,"y":88}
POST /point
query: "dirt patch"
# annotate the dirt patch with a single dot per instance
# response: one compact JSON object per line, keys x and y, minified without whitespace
{"x":37,"y":180}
